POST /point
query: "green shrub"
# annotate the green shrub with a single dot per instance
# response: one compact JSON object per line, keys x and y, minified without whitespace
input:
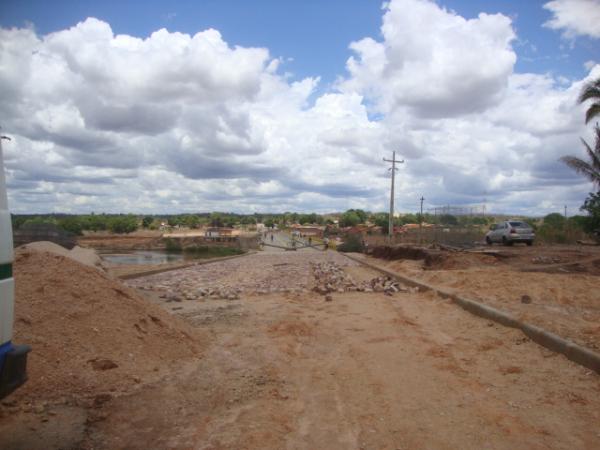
{"x":591,"y":224}
{"x":555,"y":220}
{"x":147,"y":221}
{"x":123,"y":224}
{"x":72,"y":225}
{"x":352,"y":244}
{"x":172,"y":245}
{"x":204,"y":251}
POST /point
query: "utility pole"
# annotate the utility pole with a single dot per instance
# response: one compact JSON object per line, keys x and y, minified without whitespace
{"x":435,"y":222}
{"x":393,"y":169}
{"x":565,"y":211}
{"x":421,"y":222}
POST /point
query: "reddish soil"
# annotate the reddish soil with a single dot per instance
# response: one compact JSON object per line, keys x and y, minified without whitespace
{"x":541,"y":258}
{"x":121,"y":242}
{"x":90,"y":334}
{"x":291,"y":370}
{"x":561,"y":282}
{"x":363,"y":371}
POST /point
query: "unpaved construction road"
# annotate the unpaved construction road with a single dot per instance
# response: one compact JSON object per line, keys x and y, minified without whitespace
{"x":285,"y":369}
{"x":290,"y":370}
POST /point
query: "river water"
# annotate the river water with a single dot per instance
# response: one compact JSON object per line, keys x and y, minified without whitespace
{"x":143,"y":257}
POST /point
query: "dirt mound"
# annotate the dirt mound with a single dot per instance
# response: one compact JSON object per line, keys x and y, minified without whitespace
{"x":449,"y":261}
{"x":89,"y":334}
{"x":433,"y":259}
{"x":120,"y":242}
{"x":82,"y":255}
{"x":400,"y":252}
{"x":45,"y":246}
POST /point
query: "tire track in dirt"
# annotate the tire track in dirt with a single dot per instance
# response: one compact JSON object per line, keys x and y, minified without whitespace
{"x":361,"y":371}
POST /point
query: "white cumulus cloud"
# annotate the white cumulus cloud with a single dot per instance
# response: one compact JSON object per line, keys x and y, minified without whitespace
{"x":433,"y":60}
{"x":575,"y":17}
{"x":175,"y":122}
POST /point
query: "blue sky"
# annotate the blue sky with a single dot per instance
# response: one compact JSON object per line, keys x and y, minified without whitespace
{"x":302,"y":99}
{"x":314,"y":33}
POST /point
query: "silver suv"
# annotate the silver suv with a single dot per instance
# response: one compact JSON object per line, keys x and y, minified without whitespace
{"x":510,"y":232}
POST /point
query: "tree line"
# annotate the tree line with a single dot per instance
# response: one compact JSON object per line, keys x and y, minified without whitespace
{"x":590,"y":166}
{"x":127,"y":223}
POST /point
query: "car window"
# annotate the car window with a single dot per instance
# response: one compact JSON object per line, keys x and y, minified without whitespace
{"x":493,"y":227}
{"x":518,"y":224}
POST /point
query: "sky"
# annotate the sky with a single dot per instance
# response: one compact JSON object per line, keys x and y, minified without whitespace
{"x":271,"y":106}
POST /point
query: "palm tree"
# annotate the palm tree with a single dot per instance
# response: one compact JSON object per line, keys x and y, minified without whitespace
{"x":591,"y":91}
{"x":589,"y":169}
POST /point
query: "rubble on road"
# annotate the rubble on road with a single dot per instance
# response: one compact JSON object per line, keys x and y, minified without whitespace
{"x":263,"y":274}
{"x":330,"y":277}
{"x":545,"y":259}
{"x":259,"y":274}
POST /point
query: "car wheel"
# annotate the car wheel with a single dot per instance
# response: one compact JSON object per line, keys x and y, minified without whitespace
{"x":529,"y":243}
{"x":488,"y":241}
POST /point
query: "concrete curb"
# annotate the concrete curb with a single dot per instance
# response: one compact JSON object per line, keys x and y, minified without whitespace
{"x":576,"y":353}
{"x":184,"y":266}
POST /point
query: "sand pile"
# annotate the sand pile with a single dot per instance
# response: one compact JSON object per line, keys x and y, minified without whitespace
{"x":85,"y":256}
{"x":89,"y":333}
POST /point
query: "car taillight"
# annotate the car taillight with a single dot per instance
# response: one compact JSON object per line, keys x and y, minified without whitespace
{"x":512,"y":230}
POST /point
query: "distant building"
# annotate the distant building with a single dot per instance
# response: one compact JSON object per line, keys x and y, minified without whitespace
{"x":415,"y":226}
{"x":410,"y":226}
{"x":362,"y":229}
{"x":221,"y":233}
{"x":308,"y":230}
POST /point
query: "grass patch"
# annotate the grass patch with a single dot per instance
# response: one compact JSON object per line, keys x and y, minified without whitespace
{"x":200,"y":251}
{"x":204,"y":251}
{"x":352,"y":244}
{"x":173,"y":245}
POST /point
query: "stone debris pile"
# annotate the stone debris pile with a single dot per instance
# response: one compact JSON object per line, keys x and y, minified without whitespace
{"x":263,"y":274}
{"x":260,"y":274}
{"x":191,"y":293}
{"x":389,"y":286}
{"x":330,"y":277}
{"x":180,"y":290}
{"x":545,"y":259}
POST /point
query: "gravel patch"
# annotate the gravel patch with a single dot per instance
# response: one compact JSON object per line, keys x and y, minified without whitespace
{"x":258,"y":274}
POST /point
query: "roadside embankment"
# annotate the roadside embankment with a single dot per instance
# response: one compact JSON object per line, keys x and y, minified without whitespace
{"x":577,"y":353}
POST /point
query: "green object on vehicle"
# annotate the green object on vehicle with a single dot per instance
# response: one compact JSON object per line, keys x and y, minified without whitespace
{"x":6,"y":271}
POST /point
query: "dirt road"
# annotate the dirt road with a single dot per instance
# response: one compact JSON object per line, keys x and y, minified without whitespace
{"x":289,"y":370}
{"x":363,"y":371}
{"x":562,"y":285}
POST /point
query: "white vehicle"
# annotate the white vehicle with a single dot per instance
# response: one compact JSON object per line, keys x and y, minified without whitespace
{"x":13,"y":358}
{"x":510,"y":232}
